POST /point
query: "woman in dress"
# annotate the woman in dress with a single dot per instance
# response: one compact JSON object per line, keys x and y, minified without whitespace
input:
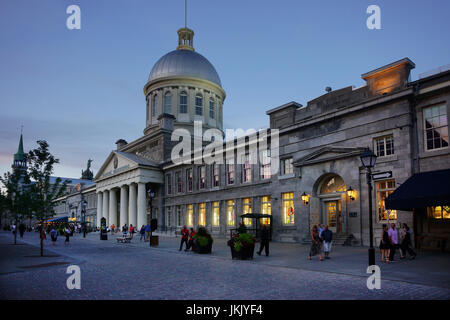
{"x":385,"y":244}
{"x":315,"y":245}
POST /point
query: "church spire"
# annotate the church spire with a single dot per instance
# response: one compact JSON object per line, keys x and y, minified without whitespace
{"x":19,"y":156}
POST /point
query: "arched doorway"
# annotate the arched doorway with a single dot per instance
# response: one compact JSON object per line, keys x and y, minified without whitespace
{"x":330,"y":191}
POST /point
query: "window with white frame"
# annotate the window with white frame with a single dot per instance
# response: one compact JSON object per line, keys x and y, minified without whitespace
{"x":266,"y":208}
{"x":265,"y":165}
{"x":178,"y":213}
{"x":202,"y":177}
{"x":154,"y":105}
{"x":287,"y":207}
{"x":215,"y":210}
{"x":199,"y":105}
{"x":287,"y":166}
{"x":384,"y":146}
{"x":179,"y":182}
{"x":246,"y":169}
{"x":384,"y":189}
{"x":230,"y":173}
{"x":183,"y":102}
{"x":230,"y":213}
{"x":247,"y":208}
{"x":436,"y":127}
{"x":190,"y":215}
{"x":189,"y":179}
{"x":202,"y":214}
{"x":211,"y":109}
{"x":215,"y":175}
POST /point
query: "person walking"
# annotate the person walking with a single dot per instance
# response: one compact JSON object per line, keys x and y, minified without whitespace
{"x":124,"y":230}
{"x":393,"y":236}
{"x":315,"y":245}
{"x":327,"y":237}
{"x":21,"y":229}
{"x":385,"y":244}
{"x":142,"y":233}
{"x":148,"y":228}
{"x":131,"y":231}
{"x":67,"y":234}
{"x":265,"y":237}
{"x":406,"y":244}
{"x":184,"y":237}
{"x":53,"y":235}
{"x":191,"y":240}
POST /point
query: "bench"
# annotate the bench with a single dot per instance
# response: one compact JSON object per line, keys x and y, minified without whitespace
{"x":124,"y":239}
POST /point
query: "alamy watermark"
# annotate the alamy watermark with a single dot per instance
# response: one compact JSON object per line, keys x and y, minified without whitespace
{"x":374,"y":281}
{"x":74,"y":280}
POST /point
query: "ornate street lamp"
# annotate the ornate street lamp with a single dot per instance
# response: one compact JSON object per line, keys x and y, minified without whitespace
{"x":305,"y":198}
{"x":151,"y":195}
{"x":368,"y":159}
{"x":351,"y":193}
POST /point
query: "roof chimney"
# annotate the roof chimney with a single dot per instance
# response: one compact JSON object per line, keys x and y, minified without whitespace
{"x":121,"y":143}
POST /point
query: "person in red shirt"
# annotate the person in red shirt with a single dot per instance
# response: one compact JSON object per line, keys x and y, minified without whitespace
{"x":184,"y":237}
{"x":131,"y":231}
{"x":191,"y":240}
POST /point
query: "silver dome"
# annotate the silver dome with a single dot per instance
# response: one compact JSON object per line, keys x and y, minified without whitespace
{"x":185,"y":63}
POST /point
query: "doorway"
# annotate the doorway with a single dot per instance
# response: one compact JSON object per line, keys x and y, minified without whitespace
{"x":333,"y":215}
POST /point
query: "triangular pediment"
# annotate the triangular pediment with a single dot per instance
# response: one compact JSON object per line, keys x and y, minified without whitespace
{"x":328,"y":154}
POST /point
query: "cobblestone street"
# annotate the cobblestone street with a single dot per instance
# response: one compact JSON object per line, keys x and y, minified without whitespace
{"x":134,"y":271}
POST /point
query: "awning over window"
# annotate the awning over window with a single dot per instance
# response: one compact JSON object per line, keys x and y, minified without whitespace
{"x":422,"y":190}
{"x":58,"y":219}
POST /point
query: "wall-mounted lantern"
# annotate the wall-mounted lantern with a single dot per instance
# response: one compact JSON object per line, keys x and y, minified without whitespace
{"x":351,"y":193}
{"x":305,"y":198}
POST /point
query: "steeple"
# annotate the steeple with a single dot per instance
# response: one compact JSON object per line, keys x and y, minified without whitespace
{"x":19,"y":156}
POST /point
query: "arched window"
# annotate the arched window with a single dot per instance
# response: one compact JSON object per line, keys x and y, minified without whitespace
{"x":183,"y":102}
{"x":333,"y":184}
{"x":154,"y":105}
{"x":199,"y":104}
{"x":168,"y":102}
{"x":211,"y":109}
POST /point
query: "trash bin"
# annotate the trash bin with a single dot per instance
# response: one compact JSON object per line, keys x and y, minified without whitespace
{"x":154,"y":240}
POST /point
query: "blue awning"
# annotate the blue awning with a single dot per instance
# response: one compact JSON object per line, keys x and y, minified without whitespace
{"x":59,"y":219}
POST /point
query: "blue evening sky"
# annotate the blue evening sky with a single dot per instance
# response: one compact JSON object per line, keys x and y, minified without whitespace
{"x":81,"y":90}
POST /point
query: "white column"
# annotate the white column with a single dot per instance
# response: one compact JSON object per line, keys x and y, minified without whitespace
{"x":99,"y":207}
{"x":132,"y":200}
{"x":113,"y":207}
{"x":123,"y":206}
{"x":141,"y":205}
{"x":106,"y":206}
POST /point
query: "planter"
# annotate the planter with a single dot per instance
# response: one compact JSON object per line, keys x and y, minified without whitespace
{"x":245,"y":253}
{"x":203,"y":249}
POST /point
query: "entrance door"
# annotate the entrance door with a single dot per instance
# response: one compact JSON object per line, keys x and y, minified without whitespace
{"x":333,"y":214}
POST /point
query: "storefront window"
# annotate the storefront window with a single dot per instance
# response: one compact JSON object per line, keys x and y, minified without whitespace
{"x":230,"y":213}
{"x":384,"y":189}
{"x":202,"y":214}
{"x":215,"y":213}
{"x":266,"y":208}
{"x":247,"y":208}
{"x":441,"y":212}
{"x":190,"y":215}
{"x":287,"y":206}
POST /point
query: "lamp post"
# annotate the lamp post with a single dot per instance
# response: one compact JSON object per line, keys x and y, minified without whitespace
{"x":151,"y":195}
{"x":368,"y":159}
{"x":83,"y":216}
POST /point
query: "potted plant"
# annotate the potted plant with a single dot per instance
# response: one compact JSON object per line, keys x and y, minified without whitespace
{"x":242,"y":244}
{"x":202,"y":241}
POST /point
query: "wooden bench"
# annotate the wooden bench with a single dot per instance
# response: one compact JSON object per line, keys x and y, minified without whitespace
{"x":124,"y":239}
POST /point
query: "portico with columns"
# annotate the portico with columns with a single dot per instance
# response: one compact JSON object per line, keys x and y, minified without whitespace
{"x":123,"y":179}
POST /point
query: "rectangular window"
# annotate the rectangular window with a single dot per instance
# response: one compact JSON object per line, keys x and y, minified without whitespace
{"x":178,"y":212}
{"x":183,"y":102}
{"x":287,"y":166}
{"x":442,"y":212}
{"x":266,"y":208}
{"x":287,"y":207}
{"x":215,"y":176}
{"x":215,"y":213}
{"x":230,"y":213}
{"x":384,"y":146}
{"x":190,"y":215}
{"x":202,"y":214}
{"x":178,"y":182}
{"x":168,"y":216}
{"x":230,"y":173}
{"x":384,"y":189}
{"x":265,"y":165}
{"x":247,"y":208}
{"x":169,"y":183}
{"x":189,"y":179}
{"x":202,"y":177}
{"x":436,"y":127}
{"x":199,"y":105}
{"x":246,"y":169}
{"x":211,"y":109}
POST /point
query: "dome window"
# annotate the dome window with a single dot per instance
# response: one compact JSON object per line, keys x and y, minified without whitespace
{"x":168,"y":103}
{"x":199,"y":105}
{"x":183,"y":102}
{"x":211,"y":109}
{"x":154,"y":105}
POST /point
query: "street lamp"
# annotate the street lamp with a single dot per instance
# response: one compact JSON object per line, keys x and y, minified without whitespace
{"x":151,"y":195}
{"x":305,"y":198}
{"x":368,"y":159}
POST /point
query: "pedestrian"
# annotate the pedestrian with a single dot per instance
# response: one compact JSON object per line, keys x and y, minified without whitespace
{"x":21,"y":229}
{"x":13,"y":229}
{"x":327,"y":236}
{"x":385,"y":244}
{"x":131,"y":231}
{"x":320,"y":228}
{"x":53,"y":235}
{"x":191,"y":240}
{"x":112,"y":228}
{"x":393,"y":236}
{"x":147,"y":231}
{"x":315,"y":245}
{"x":67,"y":234}
{"x":142,"y":233}
{"x":265,"y":237}
{"x":124,"y":230}
{"x":184,"y":237}
{"x":406,"y":244}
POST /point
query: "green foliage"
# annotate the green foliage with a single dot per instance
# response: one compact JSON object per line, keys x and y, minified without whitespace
{"x":246,"y":238}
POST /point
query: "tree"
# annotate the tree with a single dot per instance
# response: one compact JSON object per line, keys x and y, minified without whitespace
{"x":40,"y":166}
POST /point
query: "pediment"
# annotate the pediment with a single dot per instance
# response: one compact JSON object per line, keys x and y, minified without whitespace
{"x":328,"y":154}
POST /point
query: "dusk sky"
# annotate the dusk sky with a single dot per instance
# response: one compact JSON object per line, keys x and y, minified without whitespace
{"x":81,"y":90}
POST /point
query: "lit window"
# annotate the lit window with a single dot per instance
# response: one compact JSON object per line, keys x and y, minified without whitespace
{"x":384,"y":146}
{"x":230,"y":173}
{"x":189,"y":179}
{"x":183,"y":102}
{"x":202,"y":177}
{"x":216,"y":175}
{"x":333,"y":184}
{"x":202,"y":214}
{"x":436,"y":127}
{"x":266,"y":208}
{"x":247,"y":208}
{"x":265,"y":165}
{"x":287,"y":207}
{"x":215,"y":213}
{"x":211,"y":109}
{"x":168,"y":103}
{"x":384,"y":189}
{"x":154,"y":105}
{"x":246,"y":169}
{"x":230,"y":213}
{"x":441,"y":212}
{"x":199,"y":105}
{"x":190,"y":215}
